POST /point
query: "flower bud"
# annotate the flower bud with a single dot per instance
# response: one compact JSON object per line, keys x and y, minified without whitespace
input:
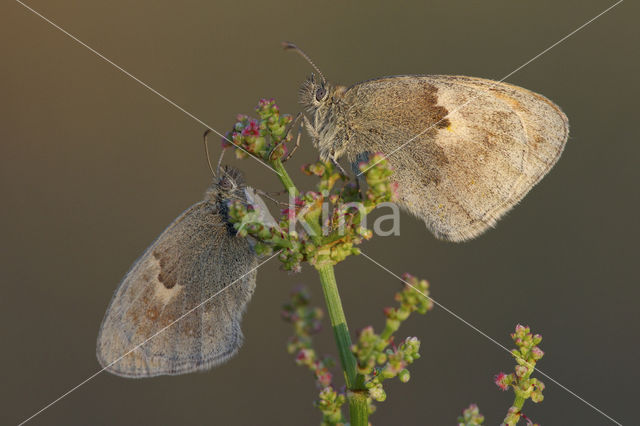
{"x":502,"y":380}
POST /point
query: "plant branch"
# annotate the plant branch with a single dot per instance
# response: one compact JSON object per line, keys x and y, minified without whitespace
{"x":284,"y":177}
{"x":358,"y":404}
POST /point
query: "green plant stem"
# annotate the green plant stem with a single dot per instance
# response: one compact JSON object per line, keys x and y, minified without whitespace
{"x":358,"y":408}
{"x":312,"y":218}
{"x":358,"y":405}
{"x":284,"y":177}
{"x":519,"y":400}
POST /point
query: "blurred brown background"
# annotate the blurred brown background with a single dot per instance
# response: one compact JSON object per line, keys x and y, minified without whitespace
{"x":94,"y":166}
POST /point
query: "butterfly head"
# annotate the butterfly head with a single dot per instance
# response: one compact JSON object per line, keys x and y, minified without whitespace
{"x":228,"y":186}
{"x":314,"y":95}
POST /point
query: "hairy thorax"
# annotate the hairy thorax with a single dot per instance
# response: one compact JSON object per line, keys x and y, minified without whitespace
{"x":331,"y":126}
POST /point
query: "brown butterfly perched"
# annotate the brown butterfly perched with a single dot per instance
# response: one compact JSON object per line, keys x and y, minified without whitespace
{"x":157,"y":322}
{"x":464,"y":150}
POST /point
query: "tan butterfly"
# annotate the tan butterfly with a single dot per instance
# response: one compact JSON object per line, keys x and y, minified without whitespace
{"x":179,"y":308}
{"x":464,"y":150}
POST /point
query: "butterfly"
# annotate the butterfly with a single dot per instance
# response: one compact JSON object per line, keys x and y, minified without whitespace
{"x":464,"y":150}
{"x":179,"y":307}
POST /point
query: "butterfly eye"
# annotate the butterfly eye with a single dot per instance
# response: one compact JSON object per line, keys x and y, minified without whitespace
{"x":321,"y":93}
{"x":225,"y":184}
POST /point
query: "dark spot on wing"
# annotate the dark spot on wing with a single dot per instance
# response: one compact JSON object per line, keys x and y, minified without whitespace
{"x":489,"y":139}
{"x":435,"y":113}
{"x":537,"y":140}
{"x":152,"y":313}
{"x":167,"y":275}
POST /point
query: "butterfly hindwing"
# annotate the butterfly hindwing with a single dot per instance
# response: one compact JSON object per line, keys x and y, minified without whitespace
{"x":158,"y":308}
{"x":464,"y":150}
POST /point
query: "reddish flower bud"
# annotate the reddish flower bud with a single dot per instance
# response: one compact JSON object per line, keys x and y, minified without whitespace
{"x":502,"y":381}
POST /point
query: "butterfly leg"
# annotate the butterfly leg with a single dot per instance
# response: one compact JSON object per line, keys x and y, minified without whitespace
{"x":269,"y":197}
{"x":315,"y":136}
{"x":284,"y":138}
{"x":362,"y":157}
{"x":297,"y":145}
{"x":334,"y":160}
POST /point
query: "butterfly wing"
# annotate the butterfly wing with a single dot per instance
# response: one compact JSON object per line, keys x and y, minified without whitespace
{"x":464,"y":150}
{"x":179,"y":307}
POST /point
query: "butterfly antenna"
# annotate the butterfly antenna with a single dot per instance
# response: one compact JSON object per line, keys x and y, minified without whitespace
{"x":290,"y":46}
{"x":206,"y":152}
{"x":220,"y":161}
